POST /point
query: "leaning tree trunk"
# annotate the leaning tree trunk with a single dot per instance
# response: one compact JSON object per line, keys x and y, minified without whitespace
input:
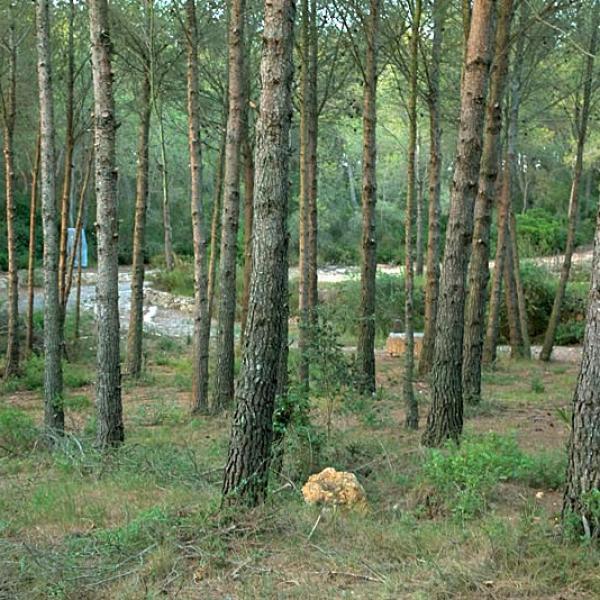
{"x":366,"y":334}
{"x":445,"y":417}
{"x":108,"y":379}
{"x":479,"y":272}
{"x":410,"y":401}
{"x":581,"y":126}
{"x":246,"y":472}
{"x":135,"y":334}
{"x":225,"y":373}
{"x":583,"y":472}
{"x":434,"y":178}
{"x":9,"y":105}
{"x":35,"y":171}
{"x":201,"y":321}
{"x":54,"y":418}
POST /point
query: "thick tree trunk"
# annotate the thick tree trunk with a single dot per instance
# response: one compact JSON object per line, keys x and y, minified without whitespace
{"x":224,"y":388}
{"x":35,"y":171}
{"x":410,"y":401}
{"x":247,"y":468}
{"x":215,"y":227}
{"x":248,"y":219}
{"x":368,"y":273}
{"x":108,"y":380}
{"x":583,"y":472}
{"x":445,"y":418}
{"x":434,"y":178}
{"x":582,"y":127}
{"x":479,"y":273}
{"x":10,"y":113}
{"x":201,"y":322}
{"x":54,"y":418}
{"x":135,"y":334}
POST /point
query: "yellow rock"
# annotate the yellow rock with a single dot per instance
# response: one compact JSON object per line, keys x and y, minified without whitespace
{"x":335,"y":488}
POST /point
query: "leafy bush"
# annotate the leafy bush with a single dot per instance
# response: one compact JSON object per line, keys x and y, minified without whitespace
{"x":17,"y":431}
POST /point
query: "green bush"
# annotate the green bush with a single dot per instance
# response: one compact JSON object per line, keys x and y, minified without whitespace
{"x":17,"y":431}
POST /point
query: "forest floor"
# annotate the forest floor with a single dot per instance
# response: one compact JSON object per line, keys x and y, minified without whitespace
{"x":479,"y":521}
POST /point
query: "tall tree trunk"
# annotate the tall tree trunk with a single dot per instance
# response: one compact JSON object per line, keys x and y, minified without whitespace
{"x":304,"y":207}
{"x":434,"y":179}
{"x":54,"y":418}
{"x":581,"y":128}
{"x":479,"y":272}
{"x":410,"y":401}
{"x":10,"y":114}
{"x":201,"y":322}
{"x":35,"y":171}
{"x":248,"y":219}
{"x":420,"y":210}
{"x":215,"y":226}
{"x":246,"y":472}
{"x":312,"y":170}
{"x":525,"y":349}
{"x":515,"y":336}
{"x":583,"y":472}
{"x":166,"y":204}
{"x":368,"y":273}
{"x":135,"y":334}
{"x":108,"y":379}
{"x":68,"y":166}
{"x":445,"y":418}
{"x":224,"y":388}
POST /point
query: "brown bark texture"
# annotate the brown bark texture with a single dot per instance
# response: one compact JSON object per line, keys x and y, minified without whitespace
{"x":445,"y":418}
{"x":246,"y":472}
{"x":35,"y":172}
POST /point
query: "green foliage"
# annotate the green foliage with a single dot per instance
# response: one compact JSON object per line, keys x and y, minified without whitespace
{"x":464,"y":477}
{"x":17,"y":431}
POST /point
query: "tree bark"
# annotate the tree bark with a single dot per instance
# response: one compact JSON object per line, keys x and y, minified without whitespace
{"x":366,"y":334}
{"x":201,"y":322}
{"x":479,"y":272}
{"x":246,"y":471}
{"x":108,"y":379}
{"x":410,"y":401}
{"x":581,"y":127}
{"x":583,"y":471}
{"x":215,"y":227}
{"x":248,"y":221}
{"x":135,"y":334}
{"x":166,"y":204}
{"x":434,"y":178}
{"x":445,"y":417}
{"x":224,"y":388}
{"x":11,"y":366}
{"x":420,"y":211}
{"x":54,"y":418}
{"x":35,"y":171}
{"x":525,"y":349}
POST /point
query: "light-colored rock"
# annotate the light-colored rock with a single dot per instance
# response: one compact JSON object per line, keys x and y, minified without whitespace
{"x":396,"y":344}
{"x":335,"y":488}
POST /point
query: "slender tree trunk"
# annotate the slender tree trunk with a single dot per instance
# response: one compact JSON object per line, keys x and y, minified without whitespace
{"x":215,"y":227}
{"x":304,"y":206}
{"x":582,"y":127}
{"x":201,"y":322}
{"x":108,"y":379}
{"x":445,"y":418}
{"x":135,"y":333}
{"x":312,"y":170}
{"x":521,"y":305}
{"x":10,"y":115}
{"x":54,"y":418}
{"x":366,"y":334}
{"x":434,"y":180}
{"x":31,"y":262}
{"x":68,"y":166}
{"x":224,"y":388}
{"x":515,"y":336}
{"x":420,"y":211}
{"x":247,"y":468}
{"x":166,"y":205}
{"x":410,"y":401}
{"x":77,"y":320}
{"x":583,"y":472}
{"x":248,"y":219}
{"x":479,"y":273}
